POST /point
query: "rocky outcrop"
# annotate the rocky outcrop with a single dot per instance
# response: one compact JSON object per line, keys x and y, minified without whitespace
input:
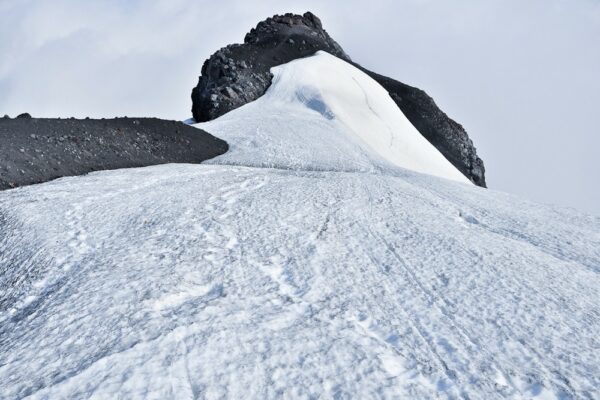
{"x":35,"y":150}
{"x":240,"y":73}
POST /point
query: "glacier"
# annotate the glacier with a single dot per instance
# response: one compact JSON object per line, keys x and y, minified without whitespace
{"x":325,"y":255}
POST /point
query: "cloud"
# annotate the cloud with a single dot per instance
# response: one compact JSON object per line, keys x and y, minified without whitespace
{"x":522,"y":77}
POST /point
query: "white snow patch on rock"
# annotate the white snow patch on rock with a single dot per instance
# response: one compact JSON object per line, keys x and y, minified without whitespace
{"x":322,"y":113}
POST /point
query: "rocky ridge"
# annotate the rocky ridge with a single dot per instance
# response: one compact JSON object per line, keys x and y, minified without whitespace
{"x":240,"y":73}
{"x":36,"y":150}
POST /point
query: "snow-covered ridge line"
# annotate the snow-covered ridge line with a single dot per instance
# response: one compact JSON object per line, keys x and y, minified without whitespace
{"x":322,"y":113}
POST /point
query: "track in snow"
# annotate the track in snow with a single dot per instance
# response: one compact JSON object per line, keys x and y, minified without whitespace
{"x":259,"y":282}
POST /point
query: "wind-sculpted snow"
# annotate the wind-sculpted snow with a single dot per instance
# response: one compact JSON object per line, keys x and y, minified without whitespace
{"x":322,"y":113}
{"x":211,"y":281}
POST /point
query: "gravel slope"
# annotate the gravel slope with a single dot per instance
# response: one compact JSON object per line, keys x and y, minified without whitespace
{"x":34,"y":150}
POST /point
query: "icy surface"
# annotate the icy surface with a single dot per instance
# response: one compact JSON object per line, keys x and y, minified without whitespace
{"x":322,"y":113}
{"x":317,"y":270}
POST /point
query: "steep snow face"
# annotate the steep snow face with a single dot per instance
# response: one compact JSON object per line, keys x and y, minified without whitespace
{"x":216,"y":281}
{"x":322,"y":113}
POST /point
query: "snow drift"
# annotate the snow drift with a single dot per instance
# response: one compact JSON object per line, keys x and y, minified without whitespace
{"x":322,"y":113}
{"x":336,"y":274}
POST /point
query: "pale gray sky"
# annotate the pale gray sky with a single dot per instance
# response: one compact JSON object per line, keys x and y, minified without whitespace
{"x":523,"y":77}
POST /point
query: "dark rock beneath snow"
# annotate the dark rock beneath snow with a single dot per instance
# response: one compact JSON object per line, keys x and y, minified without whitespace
{"x":35,"y":150}
{"x":239,"y":73}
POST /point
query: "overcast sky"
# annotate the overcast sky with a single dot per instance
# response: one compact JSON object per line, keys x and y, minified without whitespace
{"x":522,"y":76}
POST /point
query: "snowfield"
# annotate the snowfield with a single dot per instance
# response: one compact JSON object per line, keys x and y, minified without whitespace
{"x":289,"y":271}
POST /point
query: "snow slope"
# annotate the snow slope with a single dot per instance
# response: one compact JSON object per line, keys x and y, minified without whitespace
{"x":334,"y":277}
{"x":322,"y":113}
{"x":209,"y":281}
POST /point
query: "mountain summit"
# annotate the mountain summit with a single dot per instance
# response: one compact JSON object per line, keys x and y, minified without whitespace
{"x":240,"y":73}
{"x":322,"y":113}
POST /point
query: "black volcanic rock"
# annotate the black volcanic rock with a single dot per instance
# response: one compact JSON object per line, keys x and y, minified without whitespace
{"x":239,"y":73}
{"x":35,"y":150}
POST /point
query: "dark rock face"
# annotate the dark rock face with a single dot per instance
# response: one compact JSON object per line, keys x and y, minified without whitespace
{"x":239,"y":73}
{"x":24,"y":116}
{"x":35,"y":150}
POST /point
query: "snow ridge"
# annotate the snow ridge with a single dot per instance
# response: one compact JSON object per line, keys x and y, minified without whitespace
{"x":322,"y":113}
